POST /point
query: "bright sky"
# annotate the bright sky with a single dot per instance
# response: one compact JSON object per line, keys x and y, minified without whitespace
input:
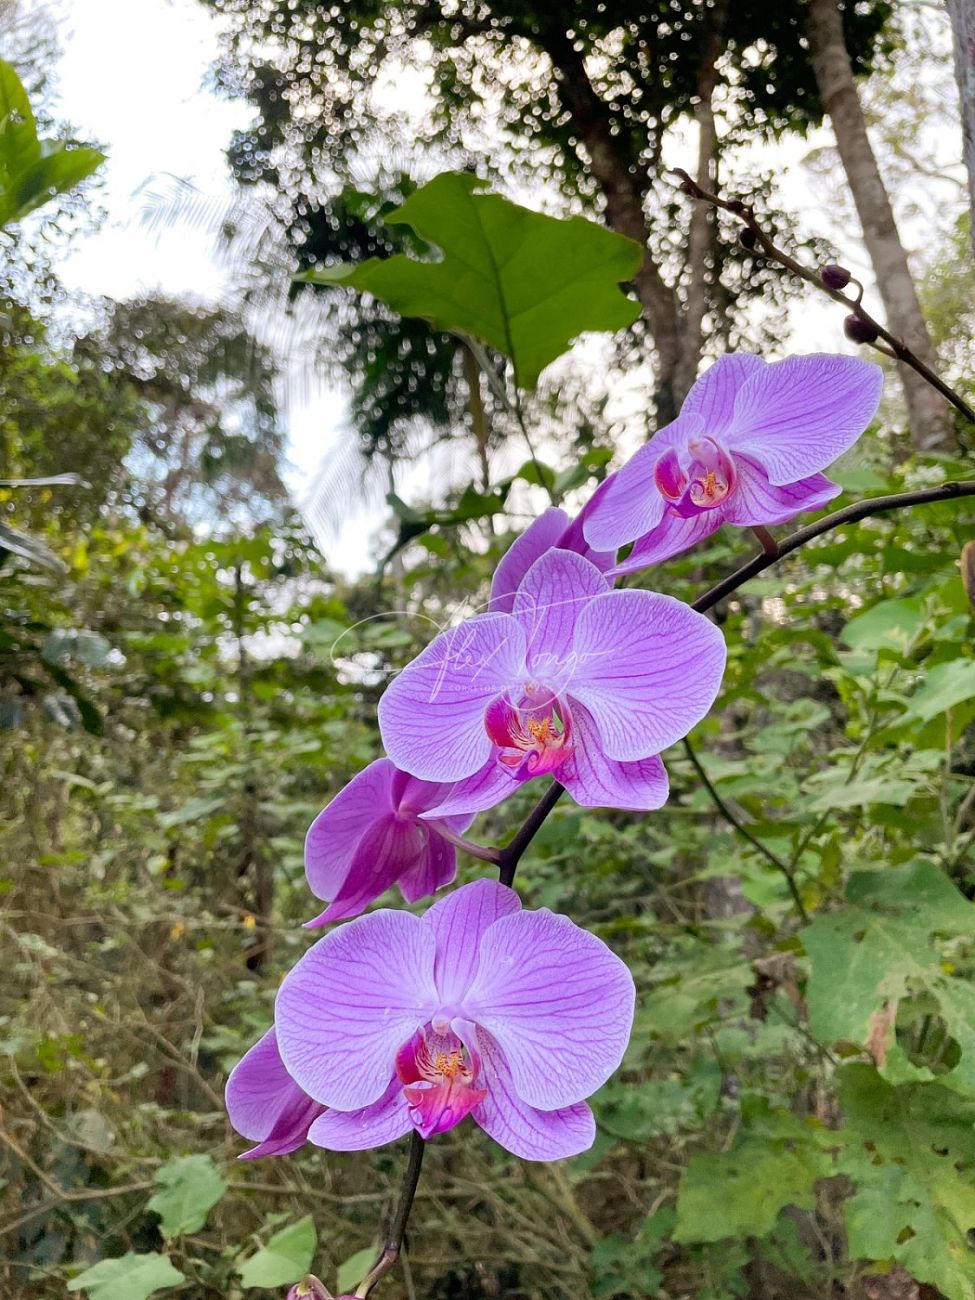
{"x":133,"y":77}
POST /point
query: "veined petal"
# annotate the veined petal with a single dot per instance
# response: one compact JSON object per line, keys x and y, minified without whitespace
{"x":558,"y":1002}
{"x":595,"y":781}
{"x":345,"y":1008}
{"x":649,"y":668}
{"x":489,"y":786}
{"x":334,"y":835}
{"x":431,"y":716}
{"x":265,"y":1104}
{"x":546,"y":532}
{"x":795,"y":417}
{"x":547,"y":605}
{"x":712,"y":397}
{"x":523,"y":1130}
{"x":436,"y":867}
{"x":373,"y":1126}
{"x":390,"y":847}
{"x":756,"y":501}
{"x":671,"y":536}
{"x":459,"y":922}
{"x":629,"y":504}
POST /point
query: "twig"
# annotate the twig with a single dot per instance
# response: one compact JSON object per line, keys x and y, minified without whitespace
{"x":745,"y":213}
{"x":511,"y":854}
{"x":481,"y":851}
{"x":397,"y":1230}
{"x":732,"y":820}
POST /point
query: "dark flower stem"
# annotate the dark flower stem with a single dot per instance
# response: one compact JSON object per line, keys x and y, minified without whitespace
{"x":511,"y":854}
{"x":397,"y":1229}
{"x":896,"y":348}
{"x":482,"y":851}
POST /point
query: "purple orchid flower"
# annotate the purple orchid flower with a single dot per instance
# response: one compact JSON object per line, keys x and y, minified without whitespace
{"x":552,"y":530}
{"x":746,"y":449}
{"x":478,"y":1008}
{"x":266,"y":1105}
{"x":587,"y":683}
{"x":370,"y":837}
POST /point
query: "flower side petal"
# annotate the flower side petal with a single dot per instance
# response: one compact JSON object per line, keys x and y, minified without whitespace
{"x":265,"y":1104}
{"x":490,"y":785}
{"x":390,"y":847}
{"x":431,"y":715}
{"x":539,"y":537}
{"x":459,"y":922}
{"x":558,"y":1002}
{"x":373,"y":1126}
{"x":351,"y":1001}
{"x":671,"y":536}
{"x":547,"y":605}
{"x":795,"y":417}
{"x":437,"y":867}
{"x":756,"y":501}
{"x":595,"y":781}
{"x":649,"y":668}
{"x":334,"y":835}
{"x":525,"y":1131}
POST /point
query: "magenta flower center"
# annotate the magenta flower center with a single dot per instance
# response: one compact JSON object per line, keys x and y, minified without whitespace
{"x":699,"y":478}
{"x":534,"y":736}
{"x":440,"y":1072}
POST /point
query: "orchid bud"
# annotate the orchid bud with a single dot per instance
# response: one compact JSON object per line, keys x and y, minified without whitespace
{"x":859,"y":330}
{"x":310,"y":1288}
{"x":747,"y":238}
{"x":835,"y":277}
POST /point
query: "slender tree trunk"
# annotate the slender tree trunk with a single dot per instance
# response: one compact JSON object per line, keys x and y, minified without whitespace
{"x":962,"y":13}
{"x":929,"y":418}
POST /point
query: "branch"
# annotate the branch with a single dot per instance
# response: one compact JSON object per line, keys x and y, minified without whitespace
{"x":397,"y":1231}
{"x":873,"y":328}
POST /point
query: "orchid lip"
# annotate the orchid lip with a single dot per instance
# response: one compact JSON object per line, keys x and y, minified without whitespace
{"x":535,"y":736}
{"x":699,"y":479}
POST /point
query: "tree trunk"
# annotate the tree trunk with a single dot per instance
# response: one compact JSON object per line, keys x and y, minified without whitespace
{"x":929,"y":418}
{"x":962,"y":14}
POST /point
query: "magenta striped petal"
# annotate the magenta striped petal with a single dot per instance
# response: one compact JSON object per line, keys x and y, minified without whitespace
{"x":756,"y":501}
{"x":548,"y":604}
{"x":648,"y":670}
{"x":460,"y":922}
{"x":525,"y":1131}
{"x":334,"y":835}
{"x":490,"y":785}
{"x":351,"y":1001}
{"x":671,"y":536}
{"x":713,"y":395}
{"x":558,"y":1002}
{"x":546,"y":531}
{"x":265,"y":1104}
{"x":595,"y":781}
{"x":358,"y":1130}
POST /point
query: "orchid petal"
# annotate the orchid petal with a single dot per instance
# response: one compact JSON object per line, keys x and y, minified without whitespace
{"x":558,"y":1002}
{"x":671,"y":536}
{"x":712,"y":397}
{"x":547,"y":605}
{"x":595,"y":781}
{"x":756,"y":501}
{"x":648,"y":669}
{"x":437,"y":867}
{"x":265,"y":1104}
{"x":545,"y":533}
{"x":351,"y":1001}
{"x":334,"y":835}
{"x":431,"y":716}
{"x":525,"y":1131}
{"x":459,"y":922}
{"x":373,"y":1126}
{"x":490,"y":785}
{"x":795,"y":417}
{"x":389,"y":848}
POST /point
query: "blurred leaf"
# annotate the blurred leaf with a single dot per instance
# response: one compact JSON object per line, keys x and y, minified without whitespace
{"x":190,"y":1186}
{"x":521,"y":282}
{"x":286,"y":1258}
{"x":944,"y":686}
{"x":130,"y":1277}
{"x":351,"y":1273}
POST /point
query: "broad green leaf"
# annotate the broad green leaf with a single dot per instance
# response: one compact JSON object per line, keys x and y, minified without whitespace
{"x":351,"y":1273}
{"x":889,"y":623}
{"x":19,"y":145}
{"x":944,"y":686}
{"x":130,"y":1277}
{"x":879,"y":948}
{"x":189,"y":1188}
{"x":57,"y":172}
{"x":523,"y":283}
{"x":693,"y":991}
{"x":286,"y":1258}
{"x":910,"y":1153}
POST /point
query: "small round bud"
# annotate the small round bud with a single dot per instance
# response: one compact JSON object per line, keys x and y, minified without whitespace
{"x":835,"y":277}
{"x":859,"y":330}
{"x":737,"y":207}
{"x":747,"y":238}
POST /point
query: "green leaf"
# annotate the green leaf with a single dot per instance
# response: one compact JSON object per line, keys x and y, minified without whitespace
{"x":190,"y":1187}
{"x":130,"y":1277}
{"x":351,"y":1273}
{"x":944,"y":686}
{"x":286,"y":1257}
{"x":523,"y":283}
{"x":879,"y":948}
{"x":57,"y":172}
{"x":910,"y":1152}
{"x":19,"y":145}
{"x":890,"y":623}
